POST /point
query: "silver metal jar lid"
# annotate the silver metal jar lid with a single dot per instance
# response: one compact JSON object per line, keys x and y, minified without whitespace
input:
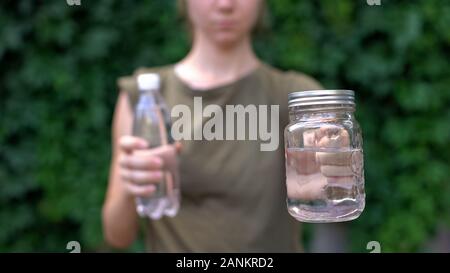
{"x":321,"y":97}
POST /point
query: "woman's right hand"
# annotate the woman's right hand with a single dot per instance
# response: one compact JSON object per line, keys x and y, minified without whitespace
{"x":314,"y":171}
{"x":142,"y":168}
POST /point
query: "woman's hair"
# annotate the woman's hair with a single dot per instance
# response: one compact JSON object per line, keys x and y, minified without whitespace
{"x":260,"y":26}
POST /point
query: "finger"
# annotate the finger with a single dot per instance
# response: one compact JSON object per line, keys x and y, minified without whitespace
{"x":345,"y":182}
{"x":334,"y":158}
{"x":306,"y":187}
{"x":137,"y":162}
{"x":325,"y":130}
{"x":302,"y":162}
{"x":178,"y":147}
{"x":130,"y":143}
{"x":331,"y":170}
{"x":309,"y":138}
{"x":167,"y":153}
{"x":140,"y":190}
{"x":141,"y":177}
{"x":335,"y":141}
{"x":332,"y":137}
{"x":340,"y":179}
{"x":160,"y":151}
{"x":328,"y":129}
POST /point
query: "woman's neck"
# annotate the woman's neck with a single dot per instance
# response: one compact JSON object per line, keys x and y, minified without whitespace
{"x":208,"y":65}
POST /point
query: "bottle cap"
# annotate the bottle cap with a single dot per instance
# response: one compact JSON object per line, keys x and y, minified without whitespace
{"x":148,"y":81}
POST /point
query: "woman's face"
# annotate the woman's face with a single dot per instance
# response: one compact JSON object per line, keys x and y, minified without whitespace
{"x":224,"y":22}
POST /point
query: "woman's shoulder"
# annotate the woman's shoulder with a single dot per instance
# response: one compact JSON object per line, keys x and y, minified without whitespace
{"x":290,"y":80}
{"x":282,"y":82}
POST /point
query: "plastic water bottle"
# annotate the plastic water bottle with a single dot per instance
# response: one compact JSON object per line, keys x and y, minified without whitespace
{"x":152,"y":122}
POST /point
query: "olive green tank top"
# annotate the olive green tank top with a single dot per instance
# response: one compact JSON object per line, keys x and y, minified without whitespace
{"x":233,"y":194}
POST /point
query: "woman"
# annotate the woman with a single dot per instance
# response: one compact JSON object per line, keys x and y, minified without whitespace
{"x":233,"y":194}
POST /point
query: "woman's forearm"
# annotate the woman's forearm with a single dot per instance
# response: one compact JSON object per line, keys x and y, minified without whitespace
{"x":120,"y":220}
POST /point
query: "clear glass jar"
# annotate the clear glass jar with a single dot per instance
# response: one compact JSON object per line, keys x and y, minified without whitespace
{"x":324,"y":157}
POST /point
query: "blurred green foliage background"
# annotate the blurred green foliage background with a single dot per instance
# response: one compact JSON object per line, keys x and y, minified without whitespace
{"x":58,"y":69}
